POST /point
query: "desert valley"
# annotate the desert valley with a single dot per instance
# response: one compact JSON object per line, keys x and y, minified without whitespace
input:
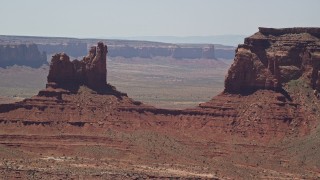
{"x":113,"y":115}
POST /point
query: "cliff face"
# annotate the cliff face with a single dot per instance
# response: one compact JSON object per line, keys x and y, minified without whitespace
{"x":21,"y":54}
{"x":91,"y":71}
{"x":272,"y":57}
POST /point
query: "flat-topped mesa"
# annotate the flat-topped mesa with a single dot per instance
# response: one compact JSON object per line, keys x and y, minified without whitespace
{"x":21,"y":54}
{"x":91,"y":71}
{"x":272,"y":57}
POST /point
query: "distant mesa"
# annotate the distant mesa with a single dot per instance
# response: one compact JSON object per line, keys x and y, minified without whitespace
{"x":22,"y":55}
{"x":119,"y":49}
{"x":272,"y":57}
{"x":52,"y":46}
{"x":90,"y":71}
{"x":164,"y":50}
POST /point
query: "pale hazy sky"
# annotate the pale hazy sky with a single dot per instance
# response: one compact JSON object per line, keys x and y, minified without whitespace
{"x":123,"y":18}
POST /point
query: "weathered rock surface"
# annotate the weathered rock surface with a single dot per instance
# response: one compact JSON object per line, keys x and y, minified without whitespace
{"x":21,"y":54}
{"x":272,"y":57}
{"x":91,"y":71}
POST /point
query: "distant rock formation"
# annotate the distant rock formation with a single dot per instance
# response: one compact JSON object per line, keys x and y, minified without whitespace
{"x":90,"y":71}
{"x":74,"y":49}
{"x":225,"y":53}
{"x":165,"y":50}
{"x":272,"y":57}
{"x":21,"y":54}
{"x":126,"y":48}
{"x":154,"y":49}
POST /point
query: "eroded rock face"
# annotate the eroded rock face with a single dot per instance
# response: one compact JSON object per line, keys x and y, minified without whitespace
{"x":90,"y":71}
{"x":272,"y":57}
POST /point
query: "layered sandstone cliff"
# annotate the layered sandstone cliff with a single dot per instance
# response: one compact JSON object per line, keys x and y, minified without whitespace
{"x":21,"y":54}
{"x":272,"y":57}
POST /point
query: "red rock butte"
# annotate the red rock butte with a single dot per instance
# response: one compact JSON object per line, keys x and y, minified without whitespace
{"x":90,"y":71}
{"x":264,"y":125}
